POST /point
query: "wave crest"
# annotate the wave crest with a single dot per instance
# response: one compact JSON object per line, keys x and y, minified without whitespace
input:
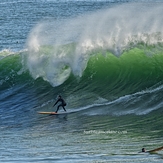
{"x":74,"y":41}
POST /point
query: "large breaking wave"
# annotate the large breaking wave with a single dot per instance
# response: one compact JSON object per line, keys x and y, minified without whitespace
{"x":59,"y":48}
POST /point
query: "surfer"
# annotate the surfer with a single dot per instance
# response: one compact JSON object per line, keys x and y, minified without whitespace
{"x":63,"y":103}
{"x":143,"y":150}
{"x":152,"y":151}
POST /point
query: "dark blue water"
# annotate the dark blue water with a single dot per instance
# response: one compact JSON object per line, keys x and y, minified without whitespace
{"x":104,"y":57}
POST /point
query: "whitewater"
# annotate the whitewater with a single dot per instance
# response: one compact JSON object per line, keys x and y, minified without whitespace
{"x":104,"y":57}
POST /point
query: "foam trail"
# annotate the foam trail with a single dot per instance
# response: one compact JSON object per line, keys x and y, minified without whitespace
{"x":58,"y":48}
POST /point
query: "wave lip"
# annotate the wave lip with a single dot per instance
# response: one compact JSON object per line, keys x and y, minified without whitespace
{"x":58,"y":48}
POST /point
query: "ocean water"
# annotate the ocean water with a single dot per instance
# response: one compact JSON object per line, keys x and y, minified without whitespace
{"x":104,"y":57}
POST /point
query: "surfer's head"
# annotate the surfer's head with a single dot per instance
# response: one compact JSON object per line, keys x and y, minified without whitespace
{"x":59,"y":96}
{"x":143,"y":150}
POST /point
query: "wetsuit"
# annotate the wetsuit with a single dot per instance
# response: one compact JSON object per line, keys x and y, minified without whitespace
{"x":63,"y":104}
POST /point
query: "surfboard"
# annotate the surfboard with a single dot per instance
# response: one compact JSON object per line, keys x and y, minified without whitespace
{"x":155,"y":150}
{"x":51,"y":113}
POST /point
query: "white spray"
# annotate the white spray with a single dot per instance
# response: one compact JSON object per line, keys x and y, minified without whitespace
{"x":58,"y":48}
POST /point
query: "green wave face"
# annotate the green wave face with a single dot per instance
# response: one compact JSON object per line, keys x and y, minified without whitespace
{"x":131,"y":72}
{"x":105,"y":73}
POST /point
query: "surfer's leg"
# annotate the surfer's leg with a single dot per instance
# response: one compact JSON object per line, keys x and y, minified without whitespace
{"x":58,"y":108}
{"x":64,"y":107}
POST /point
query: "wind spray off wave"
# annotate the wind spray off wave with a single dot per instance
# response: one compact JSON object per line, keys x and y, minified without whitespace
{"x":59,"y":48}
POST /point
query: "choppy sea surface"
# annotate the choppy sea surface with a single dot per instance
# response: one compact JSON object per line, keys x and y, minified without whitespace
{"x":104,"y":57}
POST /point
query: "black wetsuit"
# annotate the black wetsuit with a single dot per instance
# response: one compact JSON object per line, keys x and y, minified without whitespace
{"x":63,"y":104}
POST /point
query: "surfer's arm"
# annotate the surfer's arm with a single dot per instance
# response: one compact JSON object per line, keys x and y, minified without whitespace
{"x":55,"y":103}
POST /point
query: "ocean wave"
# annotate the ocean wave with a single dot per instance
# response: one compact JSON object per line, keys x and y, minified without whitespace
{"x":59,"y":48}
{"x":86,"y":60}
{"x":105,"y":73}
